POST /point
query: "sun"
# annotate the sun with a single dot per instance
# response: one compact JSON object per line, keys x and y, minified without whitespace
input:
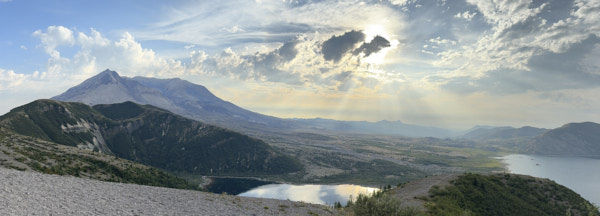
{"x":371,"y":31}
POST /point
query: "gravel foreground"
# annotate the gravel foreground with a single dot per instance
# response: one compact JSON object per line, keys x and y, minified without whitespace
{"x":29,"y":193}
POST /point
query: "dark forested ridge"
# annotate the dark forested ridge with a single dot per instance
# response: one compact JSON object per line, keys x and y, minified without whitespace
{"x":148,"y":135}
{"x":28,"y":153}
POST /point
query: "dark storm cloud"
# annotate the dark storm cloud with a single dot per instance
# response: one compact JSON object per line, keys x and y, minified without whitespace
{"x":374,"y":46}
{"x":288,"y":51}
{"x":335,"y":47}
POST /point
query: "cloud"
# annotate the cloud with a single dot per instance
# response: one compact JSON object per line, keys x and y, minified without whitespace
{"x":212,"y":24}
{"x":303,"y":61}
{"x":505,"y":13}
{"x":546,"y":72}
{"x":440,"y":41}
{"x":53,"y":37}
{"x":373,"y":46}
{"x":335,"y":47}
{"x":291,"y":43}
{"x":400,"y":2}
{"x":10,"y":79}
{"x":95,"y":53}
{"x":527,"y":46}
{"x":466,"y":15}
{"x":234,"y":29}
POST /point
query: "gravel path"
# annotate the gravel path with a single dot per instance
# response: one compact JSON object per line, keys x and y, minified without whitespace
{"x":28,"y":193}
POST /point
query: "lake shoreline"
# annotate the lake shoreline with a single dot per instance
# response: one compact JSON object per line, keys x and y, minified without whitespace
{"x":579,"y":174}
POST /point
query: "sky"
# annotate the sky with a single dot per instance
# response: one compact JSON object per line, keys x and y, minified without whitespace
{"x":445,"y":63}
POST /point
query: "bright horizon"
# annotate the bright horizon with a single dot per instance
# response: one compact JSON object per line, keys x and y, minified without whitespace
{"x":451,"y":64}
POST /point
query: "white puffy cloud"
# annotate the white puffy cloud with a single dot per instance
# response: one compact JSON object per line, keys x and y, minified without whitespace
{"x":504,"y":14}
{"x":55,"y":36}
{"x":95,"y":53}
{"x":298,"y":61}
{"x":588,"y":10}
{"x":10,"y":79}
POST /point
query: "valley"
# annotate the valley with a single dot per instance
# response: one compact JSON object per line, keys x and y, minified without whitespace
{"x":172,"y":146}
{"x":300,"y":107}
{"x":377,"y":160}
{"x":330,"y":151}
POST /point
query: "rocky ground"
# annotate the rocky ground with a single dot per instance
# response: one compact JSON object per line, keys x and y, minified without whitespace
{"x":409,"y":193}
{"x":28,"y":193}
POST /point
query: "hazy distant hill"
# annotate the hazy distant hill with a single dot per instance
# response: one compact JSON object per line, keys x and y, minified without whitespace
{"x":380,"y":127}
{"x":148,"y":135}
{"x":573,"y":139}
{"x":197,"y":102}
{"x":486,"y":133}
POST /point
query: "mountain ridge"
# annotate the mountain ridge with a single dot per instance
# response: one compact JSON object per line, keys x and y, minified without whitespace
{"x":572,"y":139}
{"x":486,"y":133}
{"x":148,"y":135}
{"x":197,"y":102}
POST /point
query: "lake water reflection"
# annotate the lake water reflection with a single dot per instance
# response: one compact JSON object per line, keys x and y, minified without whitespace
{"x":581,"y":175}
{"x":318,"y":194}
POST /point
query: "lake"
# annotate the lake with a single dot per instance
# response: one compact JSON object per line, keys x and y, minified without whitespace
{"x":581,"y":175}
{"x":317,"y":194}
{"x":310,"y":193}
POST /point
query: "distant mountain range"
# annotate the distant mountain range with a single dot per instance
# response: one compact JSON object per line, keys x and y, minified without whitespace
{"x":148,"y":135}
{"x":573,"y":139}
{"x":487,"y":133}
{"x":196,"y":102}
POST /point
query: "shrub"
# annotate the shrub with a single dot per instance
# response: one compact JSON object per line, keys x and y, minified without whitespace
{"x":380,"y":203}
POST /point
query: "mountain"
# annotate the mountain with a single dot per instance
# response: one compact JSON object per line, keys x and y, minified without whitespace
{"x":176,"y":95}
{"x":148,"y":135}
{"x":26,"y":153}
{"x":487,"y":133}
{"x":477,"y":129}
{"x":573,"y":139}
{"x":197,"y":102}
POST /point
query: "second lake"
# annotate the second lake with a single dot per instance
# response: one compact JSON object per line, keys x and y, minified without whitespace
{"x":317,"y":194}
{"x":310,"y":193}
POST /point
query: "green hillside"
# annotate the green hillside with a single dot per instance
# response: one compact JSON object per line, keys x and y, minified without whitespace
{"x":506,"y":194}
{"x":474,"y":195}
{"x":43,"y":119}
{"x":150,"y":136}
{"x":27,"y":153}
